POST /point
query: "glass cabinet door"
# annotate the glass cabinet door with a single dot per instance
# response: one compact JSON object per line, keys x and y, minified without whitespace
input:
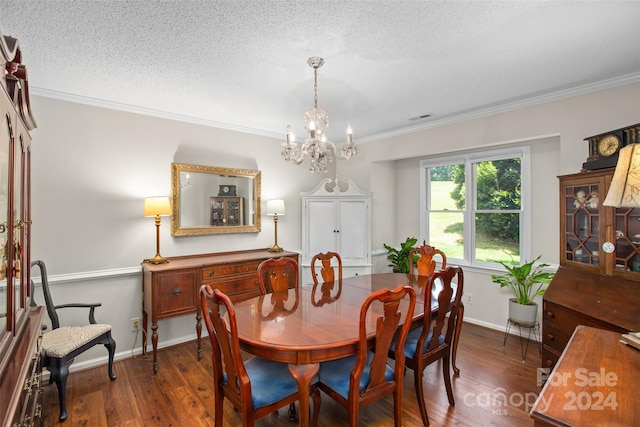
{"x":582,"y":223}
{"x":5,"y":298}
{"x":627,"y":232}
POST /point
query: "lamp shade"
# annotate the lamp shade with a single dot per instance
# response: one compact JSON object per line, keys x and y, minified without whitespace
{"x":157,"y":205}
{"x":624,"y":191}
{"x":275,"y":207}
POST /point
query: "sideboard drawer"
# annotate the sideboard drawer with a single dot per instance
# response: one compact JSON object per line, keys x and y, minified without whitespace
{"x":215,"y":271}
{"x":237,"y":288}
{"x":177,"y":293}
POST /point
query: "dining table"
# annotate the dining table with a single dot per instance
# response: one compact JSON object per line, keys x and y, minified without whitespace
{"x":307,"y":325}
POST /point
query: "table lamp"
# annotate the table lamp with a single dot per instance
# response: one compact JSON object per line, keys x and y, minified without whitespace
{"x":275,"y":208}
{"x":157,"y":206}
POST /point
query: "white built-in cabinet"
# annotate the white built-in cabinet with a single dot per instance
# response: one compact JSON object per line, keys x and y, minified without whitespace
{"x":337,"y":218}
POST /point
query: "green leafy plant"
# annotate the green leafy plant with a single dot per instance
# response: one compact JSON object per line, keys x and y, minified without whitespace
{"x":400,"y":257}
{"x":524,"y":281}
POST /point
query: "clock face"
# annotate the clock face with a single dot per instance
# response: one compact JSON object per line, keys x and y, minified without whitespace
{"x":225,"y":189}
{"x":609,"y":145}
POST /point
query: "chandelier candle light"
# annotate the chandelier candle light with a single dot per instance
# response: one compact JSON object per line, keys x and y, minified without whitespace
{"x":275,"y":208}
{"x":157,"y":206}
{"x":317,"y":147}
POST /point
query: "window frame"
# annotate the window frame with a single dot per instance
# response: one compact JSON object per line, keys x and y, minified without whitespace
{"x":469,"y":160}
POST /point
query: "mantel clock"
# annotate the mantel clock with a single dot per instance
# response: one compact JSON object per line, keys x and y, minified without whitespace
{"x":604,"y":148}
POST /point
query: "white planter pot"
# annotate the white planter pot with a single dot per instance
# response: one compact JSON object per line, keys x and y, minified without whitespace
{"x":525,"y":315}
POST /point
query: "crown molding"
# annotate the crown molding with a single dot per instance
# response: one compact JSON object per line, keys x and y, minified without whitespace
{"x":457,"y":118}
{"x":509,"y":106}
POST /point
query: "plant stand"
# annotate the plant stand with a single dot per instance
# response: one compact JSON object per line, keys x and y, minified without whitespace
{"x":533,"y":328}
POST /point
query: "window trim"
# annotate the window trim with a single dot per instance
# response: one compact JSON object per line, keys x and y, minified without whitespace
{"x":468,"y":159}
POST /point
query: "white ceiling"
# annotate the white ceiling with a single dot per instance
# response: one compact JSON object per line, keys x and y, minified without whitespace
{"x":242,"y":64}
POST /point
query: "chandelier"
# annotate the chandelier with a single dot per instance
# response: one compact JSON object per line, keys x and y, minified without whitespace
{"x":317,"y":147}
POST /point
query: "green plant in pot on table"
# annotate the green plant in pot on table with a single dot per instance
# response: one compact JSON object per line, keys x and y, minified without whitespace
{"x":525,"y":283}
{"x":400,"y":257}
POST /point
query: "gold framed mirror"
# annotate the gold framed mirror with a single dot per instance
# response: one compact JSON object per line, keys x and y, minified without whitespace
{"x":214,"y":200}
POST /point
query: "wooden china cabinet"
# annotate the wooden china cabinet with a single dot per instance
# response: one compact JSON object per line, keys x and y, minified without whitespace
{"x":227,"y":211}
{"x":598,"y":282}
{"x":20,"y":324}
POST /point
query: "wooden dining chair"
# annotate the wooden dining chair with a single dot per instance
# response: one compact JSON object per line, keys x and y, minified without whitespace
{"x":278,"y":274}
{"x":426,"y":264}
{"x":256,"y":387}
{"x":420,"y":347}
{"x":327,"y":271}
{"x":424,"y":259}
{"x":359,"y":380}
{"x":63,"y":344}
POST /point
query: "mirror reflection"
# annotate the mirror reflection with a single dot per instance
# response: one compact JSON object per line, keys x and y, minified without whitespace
{"x":214,"y":200}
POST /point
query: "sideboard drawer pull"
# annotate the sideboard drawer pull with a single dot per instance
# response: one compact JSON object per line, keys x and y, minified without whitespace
{"x":550,"y":337}
{"x":550,"y":315}
{"x":211,"y":273}
{"x":177,"y":291}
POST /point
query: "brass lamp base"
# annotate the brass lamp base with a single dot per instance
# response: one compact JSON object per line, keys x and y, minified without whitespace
{"x":275,"y":248}
{"x":158,"y":259}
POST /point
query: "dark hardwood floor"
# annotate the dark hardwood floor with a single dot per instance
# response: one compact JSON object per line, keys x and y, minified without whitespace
{"x":495,"y":388}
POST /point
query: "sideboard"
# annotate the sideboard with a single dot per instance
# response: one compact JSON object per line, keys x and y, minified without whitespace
{"x":172,"y":289}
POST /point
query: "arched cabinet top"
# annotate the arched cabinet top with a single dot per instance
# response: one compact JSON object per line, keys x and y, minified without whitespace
{"x":15,"y":81}
{"x":336,"y":187}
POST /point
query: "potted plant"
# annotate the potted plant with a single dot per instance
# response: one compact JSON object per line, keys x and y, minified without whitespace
{"x":400,"y":257}
{"x":525,"y":282}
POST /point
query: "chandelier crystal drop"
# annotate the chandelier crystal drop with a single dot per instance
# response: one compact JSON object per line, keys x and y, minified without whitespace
{"x":316,"y":146}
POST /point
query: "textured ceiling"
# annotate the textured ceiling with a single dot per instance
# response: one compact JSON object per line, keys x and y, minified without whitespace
{"x":242,"y":64}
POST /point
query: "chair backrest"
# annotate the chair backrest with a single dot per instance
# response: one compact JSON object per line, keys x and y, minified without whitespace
{"x":425,"y":263}
{"x":55,"y":322}
{"x":386,"y":328}
{"x":326,"y":271}
{"x":277,"y":274}
{"x":226,"y":355}
{"x":449,"y":298}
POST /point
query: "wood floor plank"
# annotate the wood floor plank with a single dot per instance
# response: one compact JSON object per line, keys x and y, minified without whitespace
{"x":495,"y":388}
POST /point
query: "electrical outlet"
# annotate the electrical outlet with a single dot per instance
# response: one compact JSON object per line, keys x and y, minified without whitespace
{"x":469,"y":299}
{"x":135,"y":324}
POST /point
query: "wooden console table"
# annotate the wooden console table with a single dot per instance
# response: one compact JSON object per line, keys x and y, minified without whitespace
{"x":172,"y":289}
{"x":596,"y":382}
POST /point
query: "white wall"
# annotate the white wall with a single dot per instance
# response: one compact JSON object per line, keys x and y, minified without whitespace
{"x":92,"y":168}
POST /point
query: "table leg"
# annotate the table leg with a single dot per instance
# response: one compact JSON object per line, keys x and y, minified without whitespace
{"x":303,"y":375}
{"x":199,"y":333}
{"x":456,"y":338}
{"x":154,"y":341}
{"x":145,"y":319}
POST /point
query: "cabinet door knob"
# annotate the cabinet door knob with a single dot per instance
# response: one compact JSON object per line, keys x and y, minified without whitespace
{"x":549,"y":362}
{"x":550,"y":337}
{"x":211,"y":273}
{"x":177,"y":291}
{"x":550,"y":315}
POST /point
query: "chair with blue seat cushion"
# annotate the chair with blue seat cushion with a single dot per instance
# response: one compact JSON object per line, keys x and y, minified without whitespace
{"x":359,"y":380}
{"x":255,"y":387}
{"x":420,"y":349}
{"x":424,"y":258}
{"x":62,"y":344}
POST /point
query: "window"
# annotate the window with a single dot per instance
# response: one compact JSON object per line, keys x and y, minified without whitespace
{"x":474,"y":207}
